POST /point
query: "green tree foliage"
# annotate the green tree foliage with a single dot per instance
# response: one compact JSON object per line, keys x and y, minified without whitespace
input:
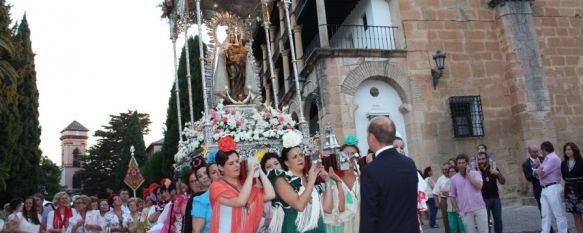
{"x":9,"y":127}
{"x":20,"y":155}
{"x":49,"y":176}
{"x":8,"y":74}
{"x":171,"y":138}
{"x":103,"y":166}
{"x":29,"y":140}
{"x":151,"y":169}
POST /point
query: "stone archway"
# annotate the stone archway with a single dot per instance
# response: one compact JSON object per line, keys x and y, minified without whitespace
{"x":387,"y":77}
{"x":392,"y":73}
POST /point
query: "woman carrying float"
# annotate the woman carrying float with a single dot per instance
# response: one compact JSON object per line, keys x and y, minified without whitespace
{"x":298,"y":204}
{"x":237,"y":207}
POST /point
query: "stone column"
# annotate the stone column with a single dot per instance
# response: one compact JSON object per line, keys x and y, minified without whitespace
{"x":523,"y":69}
{"x":299,"y":46}
{"x":272,"y":37}
{"x":322,"y":24}
{"x":286,"y":73}
{"x":265,"y":75}
{"x":265,"y":65}
{"x":281,"y":6}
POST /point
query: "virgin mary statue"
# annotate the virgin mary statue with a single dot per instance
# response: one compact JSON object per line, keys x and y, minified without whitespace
{"x":234,"y":75}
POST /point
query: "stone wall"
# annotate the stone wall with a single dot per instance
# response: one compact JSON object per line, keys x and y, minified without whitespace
{"x":467,"y":31}
{"x":559,"y":25}
{"x":524,"y":58}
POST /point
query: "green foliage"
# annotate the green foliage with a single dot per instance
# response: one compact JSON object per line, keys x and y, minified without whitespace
{"x":103,"y":166}
{"x":151,"y":169}
{"x":20,"y":155}
{"x":171,"y":138}
{"x":29,"y":139}
{"x":49,"y":176}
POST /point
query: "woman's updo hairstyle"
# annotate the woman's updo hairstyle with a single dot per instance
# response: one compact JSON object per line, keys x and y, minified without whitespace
{"x":268,"y":156}
{"x":222,"y":157}
{"x":284,"y":156}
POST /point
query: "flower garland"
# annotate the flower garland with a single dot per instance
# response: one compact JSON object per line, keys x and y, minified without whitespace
{"x":266,"y":124}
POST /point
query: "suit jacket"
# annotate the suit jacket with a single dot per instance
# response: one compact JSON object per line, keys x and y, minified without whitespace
{"x":389,"y":194}
{"x":527,"y":169}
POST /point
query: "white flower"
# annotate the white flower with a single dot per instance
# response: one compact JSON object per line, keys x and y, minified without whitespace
{"x":291,"y":139}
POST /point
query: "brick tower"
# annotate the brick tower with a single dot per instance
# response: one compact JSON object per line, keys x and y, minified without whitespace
{"x":73,"y":147}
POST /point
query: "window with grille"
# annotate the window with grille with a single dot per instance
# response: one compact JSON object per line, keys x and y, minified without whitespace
{"x":467,"y":116}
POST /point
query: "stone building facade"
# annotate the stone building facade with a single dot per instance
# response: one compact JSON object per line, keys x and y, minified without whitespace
{"x":513,"y":74}
{"x":73,"y":148}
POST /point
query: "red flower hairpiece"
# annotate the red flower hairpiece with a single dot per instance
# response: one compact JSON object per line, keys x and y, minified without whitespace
{"x":152,"y":187}
{"x":166,"y":182}
{"x":227,"y":144}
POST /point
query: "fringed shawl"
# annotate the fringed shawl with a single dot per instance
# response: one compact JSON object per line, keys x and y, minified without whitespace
{"x":243,"y":219}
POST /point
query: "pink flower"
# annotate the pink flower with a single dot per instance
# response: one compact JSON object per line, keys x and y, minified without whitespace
{"x":215,"y":121}
{"x":233,"y":112}
{"x":289,"y":127}
{"x":218,"y":131}
{"x":281,"y":119}
{"x":267,"y":115}
{"x":225,"y":119}
{"x":238,"y":122}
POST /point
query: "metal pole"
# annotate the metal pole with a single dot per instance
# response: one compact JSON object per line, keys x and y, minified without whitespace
{"x":176,"y":86}
{"x":303,"y":127}
{"x":205,"y":96}
{"x":201,"y":58}
{"x":266,"y":24}
{"x":188,"y":76}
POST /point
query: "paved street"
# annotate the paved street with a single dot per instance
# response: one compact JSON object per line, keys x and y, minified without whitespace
{"x":524,"y":219}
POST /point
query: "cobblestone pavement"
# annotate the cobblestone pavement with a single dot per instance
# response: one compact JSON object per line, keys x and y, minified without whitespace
{"x":525,"y":219}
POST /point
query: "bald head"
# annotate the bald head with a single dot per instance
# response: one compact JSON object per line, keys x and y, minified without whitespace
{"x":532,"y":147}
{"x":533,"y":151}
{"x":381,"y":132}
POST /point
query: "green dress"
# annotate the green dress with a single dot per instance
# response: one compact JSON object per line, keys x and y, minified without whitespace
{"x":289,"y":225}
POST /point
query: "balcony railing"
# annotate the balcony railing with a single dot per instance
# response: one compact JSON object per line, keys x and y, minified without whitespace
{"x":362,"y":37}
{"x":356,"y":37}
{"x":315,"y":43}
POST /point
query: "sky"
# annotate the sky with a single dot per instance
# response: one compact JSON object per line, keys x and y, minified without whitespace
{"x":98,"y":58}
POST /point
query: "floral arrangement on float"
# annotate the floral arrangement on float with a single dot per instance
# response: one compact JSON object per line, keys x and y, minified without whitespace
{"x":167,"y":7}
{"x":252,"y":128}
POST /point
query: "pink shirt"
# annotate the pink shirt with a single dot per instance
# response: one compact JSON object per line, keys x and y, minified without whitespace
{"x":469,"y":198}
{"x":552,"y":168}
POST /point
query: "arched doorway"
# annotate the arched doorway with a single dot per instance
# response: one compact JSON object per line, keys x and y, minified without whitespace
{"x":377,"y":98}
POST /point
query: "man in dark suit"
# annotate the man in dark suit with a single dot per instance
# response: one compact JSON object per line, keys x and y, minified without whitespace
{"x":388,"y":185}
{"x":527,"y":169}
{"x":533,"y":152}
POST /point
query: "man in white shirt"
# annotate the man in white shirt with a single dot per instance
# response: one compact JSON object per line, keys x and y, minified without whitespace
{"x":440,"y":197}
{"x":124,"y":194}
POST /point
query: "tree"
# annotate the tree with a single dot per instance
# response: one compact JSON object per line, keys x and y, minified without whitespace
{"x":171,"y":138}
{"x":7,"y":72}
{"x":10,"y":127}
{"x":104,"y":161}
{"x":49,"y":176}
{"x":151,"y":168}
{"x":29,"y":140}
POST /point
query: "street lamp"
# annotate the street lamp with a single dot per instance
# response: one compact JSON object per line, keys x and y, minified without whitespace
{"x":439,"y":58}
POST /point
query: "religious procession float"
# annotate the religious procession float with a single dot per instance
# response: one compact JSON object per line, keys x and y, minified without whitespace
{"x":234,"y":103}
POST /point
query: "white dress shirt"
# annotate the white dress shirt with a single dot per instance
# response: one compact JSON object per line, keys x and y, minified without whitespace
{"x":382,"y":149}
